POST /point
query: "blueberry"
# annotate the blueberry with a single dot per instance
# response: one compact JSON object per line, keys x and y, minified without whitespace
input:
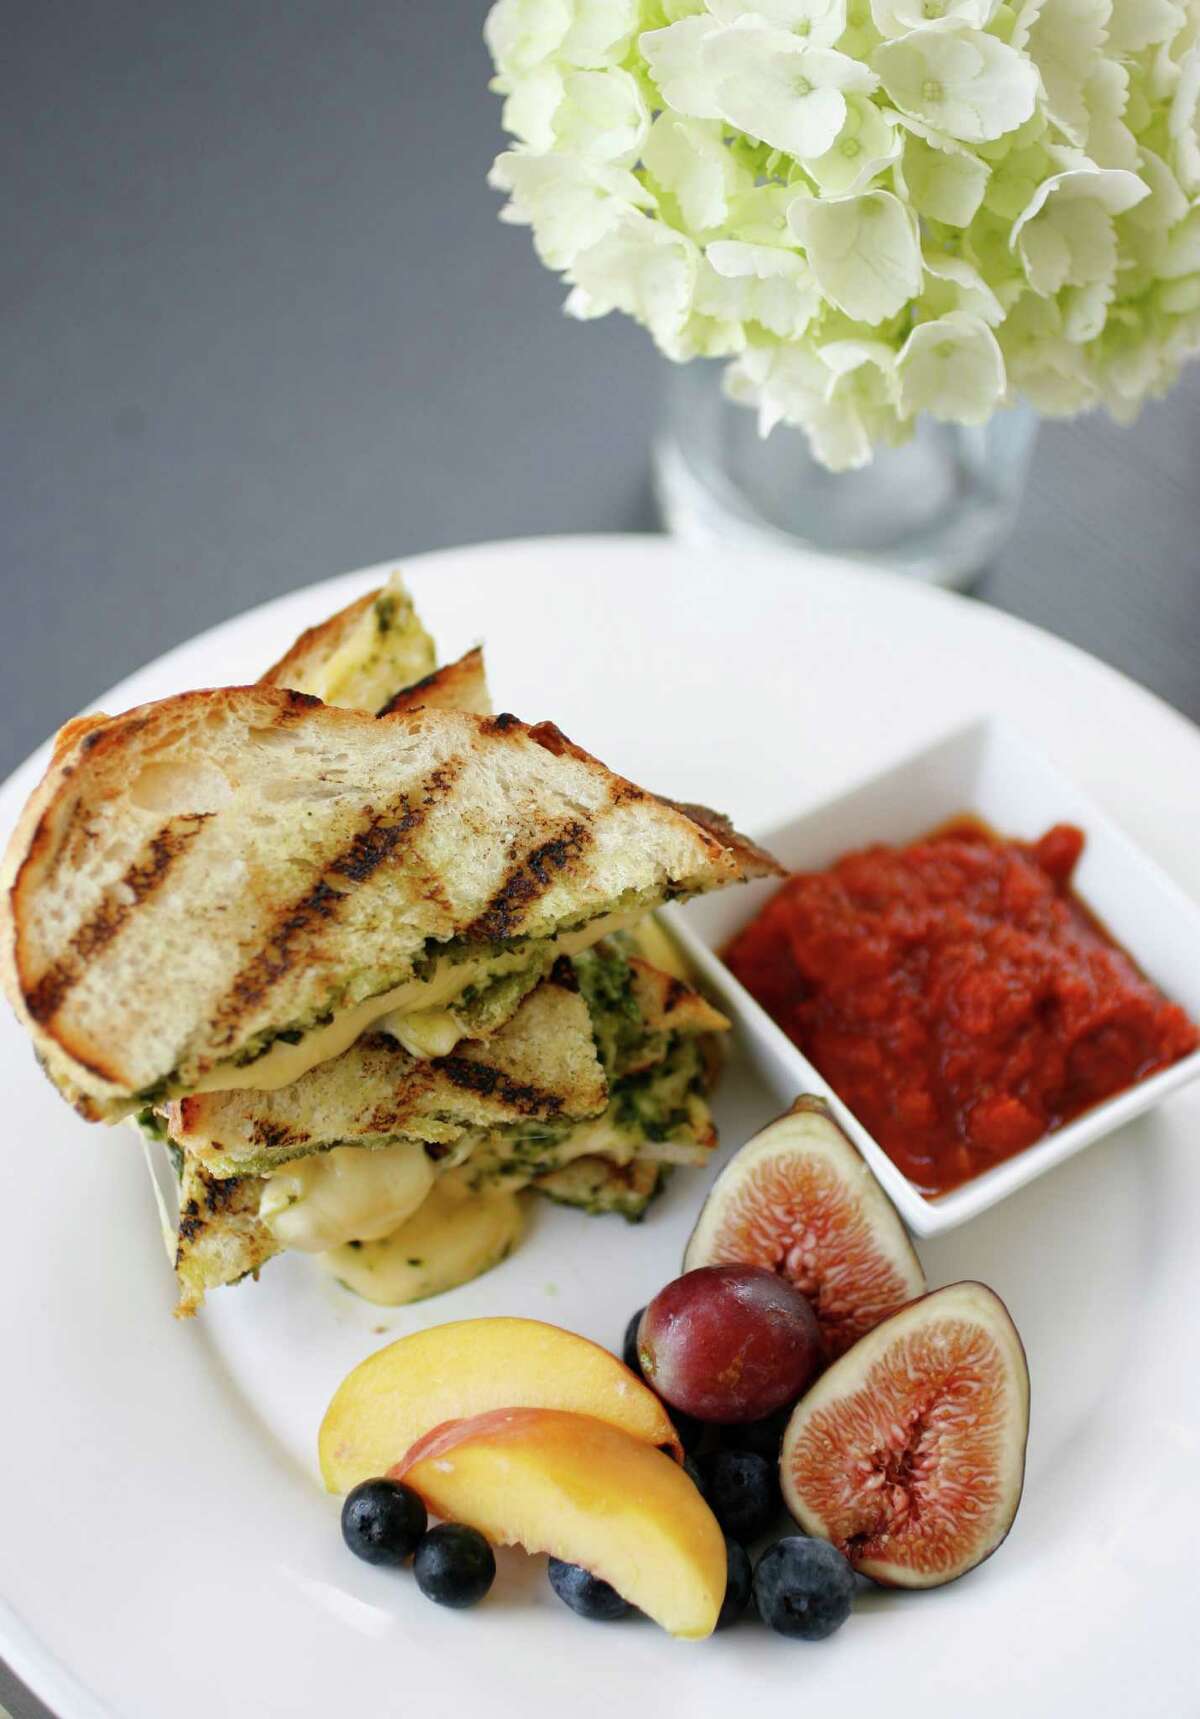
{"x":585,"y":1593}
{"x":454,"y":1565}
{"x":803,"y":1588}
{"x":763,"y":1437}
{"x":742,"y":1489}
{"x":629,"y":1350}
{"x":695,"y":1475}
{"x":382,"y":1521}
{"x":739,"y":1581}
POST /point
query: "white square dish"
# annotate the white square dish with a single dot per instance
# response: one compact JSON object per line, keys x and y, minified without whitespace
{"x":991,"y":769}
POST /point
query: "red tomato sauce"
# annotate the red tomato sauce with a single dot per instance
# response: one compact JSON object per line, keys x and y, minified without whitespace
{"x":957,"y":995}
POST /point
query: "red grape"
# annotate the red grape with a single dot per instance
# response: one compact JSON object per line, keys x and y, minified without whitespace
{"x":729,"y":1343}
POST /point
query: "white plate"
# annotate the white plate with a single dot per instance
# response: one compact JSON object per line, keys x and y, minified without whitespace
{"x":991,"y":770}
{"x":165,"y":1548}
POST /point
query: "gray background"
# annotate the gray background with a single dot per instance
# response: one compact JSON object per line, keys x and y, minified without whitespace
{"x":260,"y":325}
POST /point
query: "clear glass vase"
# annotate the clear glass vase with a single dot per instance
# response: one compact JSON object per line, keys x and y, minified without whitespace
{"x":937,"y":509}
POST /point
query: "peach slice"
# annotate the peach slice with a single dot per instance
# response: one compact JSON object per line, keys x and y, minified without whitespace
{"x":451,"y":1372}
{"x":583,"y":1490}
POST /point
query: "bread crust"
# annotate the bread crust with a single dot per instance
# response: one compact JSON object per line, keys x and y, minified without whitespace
{"x":460,"y":685}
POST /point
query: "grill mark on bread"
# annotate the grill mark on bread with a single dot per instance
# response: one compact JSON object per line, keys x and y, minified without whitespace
{"x":529,"y":879}
{"x":409,"y":695}
{"x":385,"y":834}
{"x":488,"y":1082}
{"x":272,"y":1135}
{"x":140,"y":880}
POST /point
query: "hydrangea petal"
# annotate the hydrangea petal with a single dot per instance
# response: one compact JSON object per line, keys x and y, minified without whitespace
{"x":819,"y":23}
{"x":953,"y":369}
{"x":1184,"y":124}
{"x":1183,"y":247}
{"x":863,"y":251}
{"x":715,"y":327}
{"x":602,"y":117}
{"x":522,"y":34}
{"x":1065,"y":236}
{"x":688,"y":158}
{"x":765,"y":285}
{"x":531,"y":105}
{"x":1085,"y":311}
{"x":760,"y":215}
{"x":640,"y":267}
{"x":861,"y":403}
{"x":963,"y":82}
{"x":1138,"y":24}
{"x":569,"y":204}
{"x":867,"y":143}
{"x":898,"y":17}
{"x":952,"y":284}
{"x":941,"y":180}
{"x":1064,"y":39}
{"x":770,"y":85}
{"x":673,"y":56}
{"x":1053,"y":375}
{"x":600,"y":32}
{"x":1110,"y":143}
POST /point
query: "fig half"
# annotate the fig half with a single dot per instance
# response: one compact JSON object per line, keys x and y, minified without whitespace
{"x":798,"y":1199}
{"x":908,"y":1454}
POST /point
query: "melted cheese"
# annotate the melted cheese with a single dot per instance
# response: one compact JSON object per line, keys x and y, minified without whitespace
{"x":348,"y":1194}
{"x":418,"y":1007}
{"x":452,"y":1238}
{"x":655,"y":944}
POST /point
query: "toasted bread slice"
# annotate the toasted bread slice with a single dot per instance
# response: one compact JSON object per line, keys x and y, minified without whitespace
{"x":488,"y":1130}
{"x":460,"y":685}
{"x":358,"y":657}
{"x":541,"y":1067}
{"x":598,"y":1186}
{"x":200,"y":883}
{"x":221,"y":1238}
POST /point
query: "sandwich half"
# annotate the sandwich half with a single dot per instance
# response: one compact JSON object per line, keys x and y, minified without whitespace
{"x":329,"y":1163}
{"x":593,"y":1090}
{"x":226,"y":888}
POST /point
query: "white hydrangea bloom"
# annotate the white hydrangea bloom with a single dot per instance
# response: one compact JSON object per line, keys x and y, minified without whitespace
{"x":1137,"y":24}
{"x":864,"y":252}
{"x":965,"y":83}
{"x":873,"y":208}
{"x":688,"y":158}
{"x":1183,"y":125}
{"x":1065,"y":237}
{"x":953,"y":369}
{"x":673,"y":60}
{"x":523,"y":34}
{"x":640,"y":267}
{"x":844,"y":404}
{"x":953,"y":285}
{"x":531,"y":105}
{"x":819,"y":23}
{"x":601,"y":117}
{"x":765,"y":285}
{"x":770,"y":85}
{"x":1064,"y":39}
{"x":898,"y":17}
{"x":569,"y":204}
{"x":599,"y":32}
{"x":1110,"y":143}
{"x":868,"y":142}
